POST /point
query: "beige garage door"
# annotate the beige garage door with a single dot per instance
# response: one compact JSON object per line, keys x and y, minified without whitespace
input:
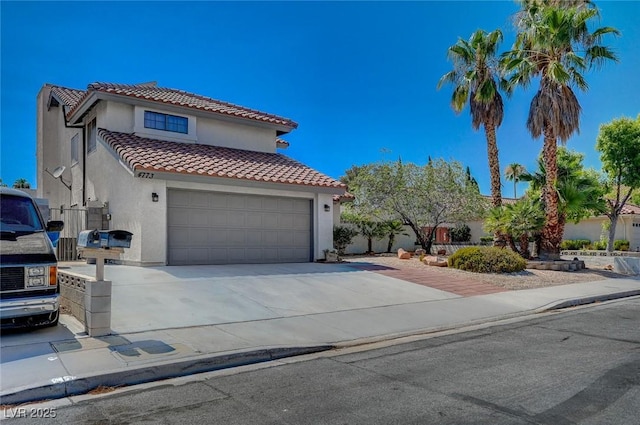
{"x":227,"y":228}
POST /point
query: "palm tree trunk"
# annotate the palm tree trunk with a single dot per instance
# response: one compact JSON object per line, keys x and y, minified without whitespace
{"x":494,"y":171}
{"x":494,"y":165}
{"x":552,"y":230}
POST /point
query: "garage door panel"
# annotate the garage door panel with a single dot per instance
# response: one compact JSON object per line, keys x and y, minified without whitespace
{"x":301,"y":206}
{"x":199,"y":200}
{"x":237,"y":219}
{"x":199,"y":218}
{"x":199,"y":237}
{"x":228,"y":228}
{"x":218,"y":218}
{"x":179,"y":236}
{"x":270,"y":220}
{"x":300,"y":222}
{"x":199,"y":255}
{"x":254,"y":220}
{"x":236,"y":255}
{"x":300,"y":238}
{"x":218,"y":256}
{"x":178,"y":216}
{"x":236,"y":202}
{"x":285,"y":221}
{"x":236,"y":237}
{"x":270,"y":204}
{"x":254,"y":203}
{"x":270,"y":237}
{"x":179,"y":198}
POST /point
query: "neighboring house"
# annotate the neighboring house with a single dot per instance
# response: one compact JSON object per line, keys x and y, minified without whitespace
{"x":196,"y":180}
{"x":628,"y":227}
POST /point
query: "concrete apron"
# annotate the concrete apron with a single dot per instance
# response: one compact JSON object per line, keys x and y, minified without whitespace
{"x":154,"y":298}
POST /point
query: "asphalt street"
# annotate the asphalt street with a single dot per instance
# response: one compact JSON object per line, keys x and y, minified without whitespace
{"x":578,"y":366}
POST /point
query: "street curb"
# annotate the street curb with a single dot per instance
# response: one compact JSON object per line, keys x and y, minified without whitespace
{"x":210,"y":363}
{"x":157,"y":372}
{"x":558,"y":305}
{"x":590,"y":300}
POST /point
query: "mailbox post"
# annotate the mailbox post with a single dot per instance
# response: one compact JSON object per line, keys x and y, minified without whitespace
{"x":101,"y":245}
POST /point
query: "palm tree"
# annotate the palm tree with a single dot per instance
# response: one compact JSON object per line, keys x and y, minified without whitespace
{"x":21,"y":184}
{"x":555,"y":44}
{"x":513,"y":173}
{"x":474,"y":78}
{"x":580,"y":192}
{"x":393,"y":228}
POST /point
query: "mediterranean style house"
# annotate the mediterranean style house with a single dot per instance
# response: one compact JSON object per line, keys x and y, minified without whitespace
{"x":196,"y":180}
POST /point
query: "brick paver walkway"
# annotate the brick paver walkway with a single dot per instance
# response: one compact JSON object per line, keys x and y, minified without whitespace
{"x":433,"y":279}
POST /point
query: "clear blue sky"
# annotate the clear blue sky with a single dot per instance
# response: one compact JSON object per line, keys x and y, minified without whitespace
{"x":359,"y":77}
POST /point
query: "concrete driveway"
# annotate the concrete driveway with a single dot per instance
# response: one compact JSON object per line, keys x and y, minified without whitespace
{"x":155,"y":298}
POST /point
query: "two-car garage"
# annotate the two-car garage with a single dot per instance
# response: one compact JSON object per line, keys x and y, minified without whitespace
{"x":232,"y":228}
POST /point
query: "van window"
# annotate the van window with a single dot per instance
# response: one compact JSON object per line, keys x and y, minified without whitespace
{"x":18,"y":214}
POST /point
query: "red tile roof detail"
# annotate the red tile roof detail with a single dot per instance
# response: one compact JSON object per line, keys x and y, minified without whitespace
{"x":281,"y":143}
{"x":630,"y":209}
{"x":70,"y":97}
{"x":142,"y":154}
{"x":149,"y":91}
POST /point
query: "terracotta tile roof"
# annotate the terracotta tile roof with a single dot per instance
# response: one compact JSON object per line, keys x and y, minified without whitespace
{"x":149,"y":91}
{"x":281,"y":143}
{"x":345,"y":197}
{"x":630,"y":209}
{"x":70,"y":97}
{"x":142,"y":154}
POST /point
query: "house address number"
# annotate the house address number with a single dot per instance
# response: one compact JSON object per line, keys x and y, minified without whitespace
{"x":145,"y":175}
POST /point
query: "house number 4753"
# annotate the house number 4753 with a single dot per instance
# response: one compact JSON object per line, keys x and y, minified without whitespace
{"x":145,"y":175}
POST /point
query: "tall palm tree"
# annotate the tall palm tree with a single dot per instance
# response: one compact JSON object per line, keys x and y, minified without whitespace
{"x":555,"y":44}
{"x":513,"y":173}
{"x":475,"y":80}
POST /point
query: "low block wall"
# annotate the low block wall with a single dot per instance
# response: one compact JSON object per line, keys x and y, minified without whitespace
{"x":72,"y":293}
{"x":88,"y":300}
{"x":623,"y":262}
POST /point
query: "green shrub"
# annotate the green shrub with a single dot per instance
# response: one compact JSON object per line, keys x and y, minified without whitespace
{"x":460,"y":233}
{"x":486,"y":240}
{"x":571,"y":244}
{"x":621,"y":245}
{"x":600,"y":245}
{"x":487,"y":260}
{"x":342,"y":237}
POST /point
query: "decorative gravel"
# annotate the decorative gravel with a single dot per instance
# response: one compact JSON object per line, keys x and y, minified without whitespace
{"x":525,"y":279}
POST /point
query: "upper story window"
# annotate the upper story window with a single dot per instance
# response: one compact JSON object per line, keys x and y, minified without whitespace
{"x":92,"y":131}
{"x":74,"y":150}
{"x":166,"y":122}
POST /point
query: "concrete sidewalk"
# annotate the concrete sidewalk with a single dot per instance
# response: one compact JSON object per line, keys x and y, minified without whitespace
{"x":53,"y":363}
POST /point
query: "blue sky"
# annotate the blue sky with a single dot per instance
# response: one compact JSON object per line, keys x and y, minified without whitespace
{"x":359,"y":77}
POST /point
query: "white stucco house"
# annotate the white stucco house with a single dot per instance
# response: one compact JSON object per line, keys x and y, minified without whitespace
{"x":196,"y":180}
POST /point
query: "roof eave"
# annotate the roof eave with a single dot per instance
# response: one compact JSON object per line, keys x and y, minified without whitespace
{"x":88,"y":101}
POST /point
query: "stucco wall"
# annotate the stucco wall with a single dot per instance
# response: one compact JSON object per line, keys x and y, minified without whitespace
{"x":408,"y":243}
{"x":117,"y":116}
{"x":237,"y":136}
{"x":53,"y":149}
{"x":592,"y":229}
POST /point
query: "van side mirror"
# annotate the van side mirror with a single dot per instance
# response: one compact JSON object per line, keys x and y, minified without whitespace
{"x":55,"y":226}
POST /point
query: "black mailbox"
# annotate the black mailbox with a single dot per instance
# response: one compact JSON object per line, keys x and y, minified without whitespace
{"x":104,"y":239}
